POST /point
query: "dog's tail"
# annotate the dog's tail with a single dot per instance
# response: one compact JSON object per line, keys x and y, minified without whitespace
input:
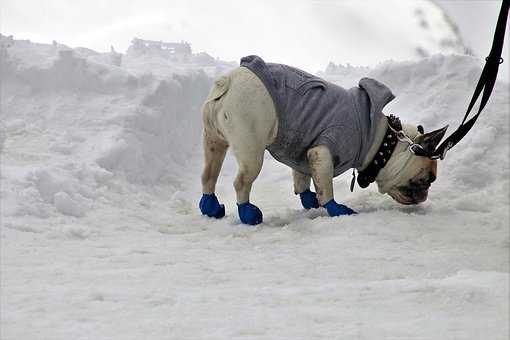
{"x":211,"y":105}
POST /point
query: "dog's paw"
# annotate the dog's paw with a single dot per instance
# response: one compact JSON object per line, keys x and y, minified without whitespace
{"x":335,"y":209}
{"x":210,"y":206}
{"x":249,"y":213}
{"x":309,"y":199}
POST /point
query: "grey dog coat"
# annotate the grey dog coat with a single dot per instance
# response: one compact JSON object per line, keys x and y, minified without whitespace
{"x":313,"y":112}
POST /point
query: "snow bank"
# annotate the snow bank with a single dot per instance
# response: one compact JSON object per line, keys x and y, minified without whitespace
{"x":81,"y":111}
{"x":55,"y":67}
{"x":163,"y":132}
{"x":146,"y":128}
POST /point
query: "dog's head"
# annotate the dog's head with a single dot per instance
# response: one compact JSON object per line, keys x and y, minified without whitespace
{"x":407,"y":177}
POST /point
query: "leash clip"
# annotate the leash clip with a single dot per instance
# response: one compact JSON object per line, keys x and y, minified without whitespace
{"x":404,"y":138}
{"x":414,"y":148}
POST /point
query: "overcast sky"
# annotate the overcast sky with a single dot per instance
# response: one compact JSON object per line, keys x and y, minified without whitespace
{"x":476,"y":19}
{"x":97,"y":24}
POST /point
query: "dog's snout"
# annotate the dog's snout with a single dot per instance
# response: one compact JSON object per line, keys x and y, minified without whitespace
{"x":432,"y":177}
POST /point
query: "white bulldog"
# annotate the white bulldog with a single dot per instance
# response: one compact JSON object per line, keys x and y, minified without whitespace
{"x":239,"y":112}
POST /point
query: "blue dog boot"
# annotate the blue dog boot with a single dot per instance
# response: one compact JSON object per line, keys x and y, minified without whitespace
{"x":335,"y":209}
{"x":249,"y":213}
{"x":210,"y":206}
{"x":309,"y":199}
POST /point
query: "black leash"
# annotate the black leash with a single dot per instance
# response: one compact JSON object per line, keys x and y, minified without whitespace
{"x":486,"y":83}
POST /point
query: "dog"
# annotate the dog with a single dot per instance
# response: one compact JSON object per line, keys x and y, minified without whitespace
{"x":315,"y":127}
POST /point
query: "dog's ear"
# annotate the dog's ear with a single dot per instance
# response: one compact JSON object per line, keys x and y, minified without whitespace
{"x":430,"y":140}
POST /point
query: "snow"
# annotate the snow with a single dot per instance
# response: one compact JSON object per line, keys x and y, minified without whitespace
{"x":101,"y":237}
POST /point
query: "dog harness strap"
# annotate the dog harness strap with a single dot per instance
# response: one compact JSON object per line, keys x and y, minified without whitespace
{"x":368,"y":175}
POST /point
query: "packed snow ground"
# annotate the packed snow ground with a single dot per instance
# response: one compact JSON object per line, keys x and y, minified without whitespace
{"x":101,"y":237}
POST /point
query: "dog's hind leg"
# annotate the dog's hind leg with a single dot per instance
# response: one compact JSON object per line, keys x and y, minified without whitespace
{"x":248,"y":141}
{"x":250,"y":164}
{"x":214,"y":154}
{"x":247,"y":120}
{"x":250,"y":158}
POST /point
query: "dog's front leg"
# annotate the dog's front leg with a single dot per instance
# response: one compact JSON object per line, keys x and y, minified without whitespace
{"x":302,"y":188}
{"x":321,"y":166}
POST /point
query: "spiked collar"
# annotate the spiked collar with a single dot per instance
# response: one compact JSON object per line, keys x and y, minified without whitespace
{"x":383,"y":155}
